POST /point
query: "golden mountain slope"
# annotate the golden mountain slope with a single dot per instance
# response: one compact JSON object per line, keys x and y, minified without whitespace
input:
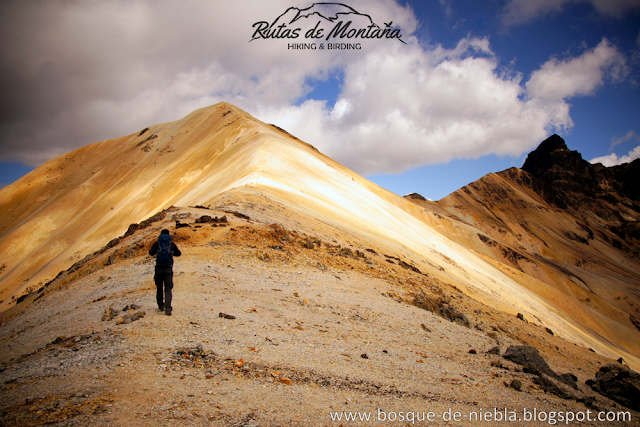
{"x":559,"y":255}
{"x":223,"y":158}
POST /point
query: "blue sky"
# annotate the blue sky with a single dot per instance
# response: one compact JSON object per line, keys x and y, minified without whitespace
{"x":474,"y":88}
{"x":609,"y":113}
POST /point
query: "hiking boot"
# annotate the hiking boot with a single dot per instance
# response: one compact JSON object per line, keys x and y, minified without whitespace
{"x":161,"y":308}
{"x":167,"y":312}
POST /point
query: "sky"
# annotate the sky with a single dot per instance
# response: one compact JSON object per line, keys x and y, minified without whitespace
{"x":463,"y":89}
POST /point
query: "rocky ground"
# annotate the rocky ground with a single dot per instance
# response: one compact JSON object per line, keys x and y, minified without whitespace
{"x":272,"y":327}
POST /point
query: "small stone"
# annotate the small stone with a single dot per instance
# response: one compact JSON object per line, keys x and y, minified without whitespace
{"x":473,"y":351}
{"x":425,"y":328}
{"x":364,"y":356}
{"x":549,"y":331}
{"x":285,"y":380}
{"x":516,"y":384}
{"x":137,"y":315}
{"x":520,"y":316}
{"x":226,"y":316}
{"x":494,"y":350}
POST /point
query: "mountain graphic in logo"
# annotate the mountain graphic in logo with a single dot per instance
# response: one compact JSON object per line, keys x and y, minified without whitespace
{"x":328,"y":11}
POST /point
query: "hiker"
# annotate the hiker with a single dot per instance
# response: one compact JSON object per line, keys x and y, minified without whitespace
{"x":165,"y":250}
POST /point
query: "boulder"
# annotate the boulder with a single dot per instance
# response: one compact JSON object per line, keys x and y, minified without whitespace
{"x":619,"y":384}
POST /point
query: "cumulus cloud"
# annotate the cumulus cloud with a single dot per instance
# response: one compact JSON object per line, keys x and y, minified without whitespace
{"x":73,"y":73}
{"x":410,"y":106}
{"x":577,"y":76}
{"x":97,"y":70}
{"x":613,"y":159}
{"x":522,"y":11}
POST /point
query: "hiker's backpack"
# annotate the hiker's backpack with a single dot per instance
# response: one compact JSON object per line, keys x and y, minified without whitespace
{"x":165,"y":252}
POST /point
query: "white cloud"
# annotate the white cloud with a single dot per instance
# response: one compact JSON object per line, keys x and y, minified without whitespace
{"x":73,"y":73}
{"x":521,"y":11}
{"x":613,"y":159}
{"x":410,"y":106}
{"x":98,"y":70}
{"x":582,"y":75}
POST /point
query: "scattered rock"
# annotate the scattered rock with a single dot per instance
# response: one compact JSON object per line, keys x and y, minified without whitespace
{"x":441,"y":307}
{"x":494,"y":350}
{"x":307,"y":243}
{"x":473,"y":351}
{"x":110,"y":313}
{"x":549,"y":331}
{"x":238,"y":215}
{"x":409,"y":267}
{"x":529,"y":358}
{"x":364,"y":356}
{"x":346,"y":252}
{"x":569,"y":379}
{"x":424,"y":327}
{"x":206,"y":219}
{"x":589,"y":402}
{"x":453,"y":314}
{"x":619,"y":384}
{"x":226,"y":316}
{"x":520,"y":316}
{"x":550,"y":387}
{"x":131,"y":317}
{"x":516,"y":384}
{"x":131,"y":307}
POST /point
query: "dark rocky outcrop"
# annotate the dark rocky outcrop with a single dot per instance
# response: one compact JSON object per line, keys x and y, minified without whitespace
{"x":441,"y":307}
{"x":619,"y":384}
{"x":533,"y":363}
{"x":529,"y":358}
{"x":564,"y":178}
{"x":207,"y":219}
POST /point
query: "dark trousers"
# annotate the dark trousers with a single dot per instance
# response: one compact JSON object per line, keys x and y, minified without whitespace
{"x":164,"y":284}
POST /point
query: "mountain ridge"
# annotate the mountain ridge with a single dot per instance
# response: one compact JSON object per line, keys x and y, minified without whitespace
{"x":302,"y":287}
{"x":222,"y":157}
{"x":579,"y":254}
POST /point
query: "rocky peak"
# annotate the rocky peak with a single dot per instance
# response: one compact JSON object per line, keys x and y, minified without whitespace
{"x":562,"y":177}
{"x":552,"y":153}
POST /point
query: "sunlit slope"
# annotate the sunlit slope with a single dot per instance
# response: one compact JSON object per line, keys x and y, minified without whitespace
{"x":562,"y":258}
{"x":75,"y":204}
{"x":314,"y":186}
